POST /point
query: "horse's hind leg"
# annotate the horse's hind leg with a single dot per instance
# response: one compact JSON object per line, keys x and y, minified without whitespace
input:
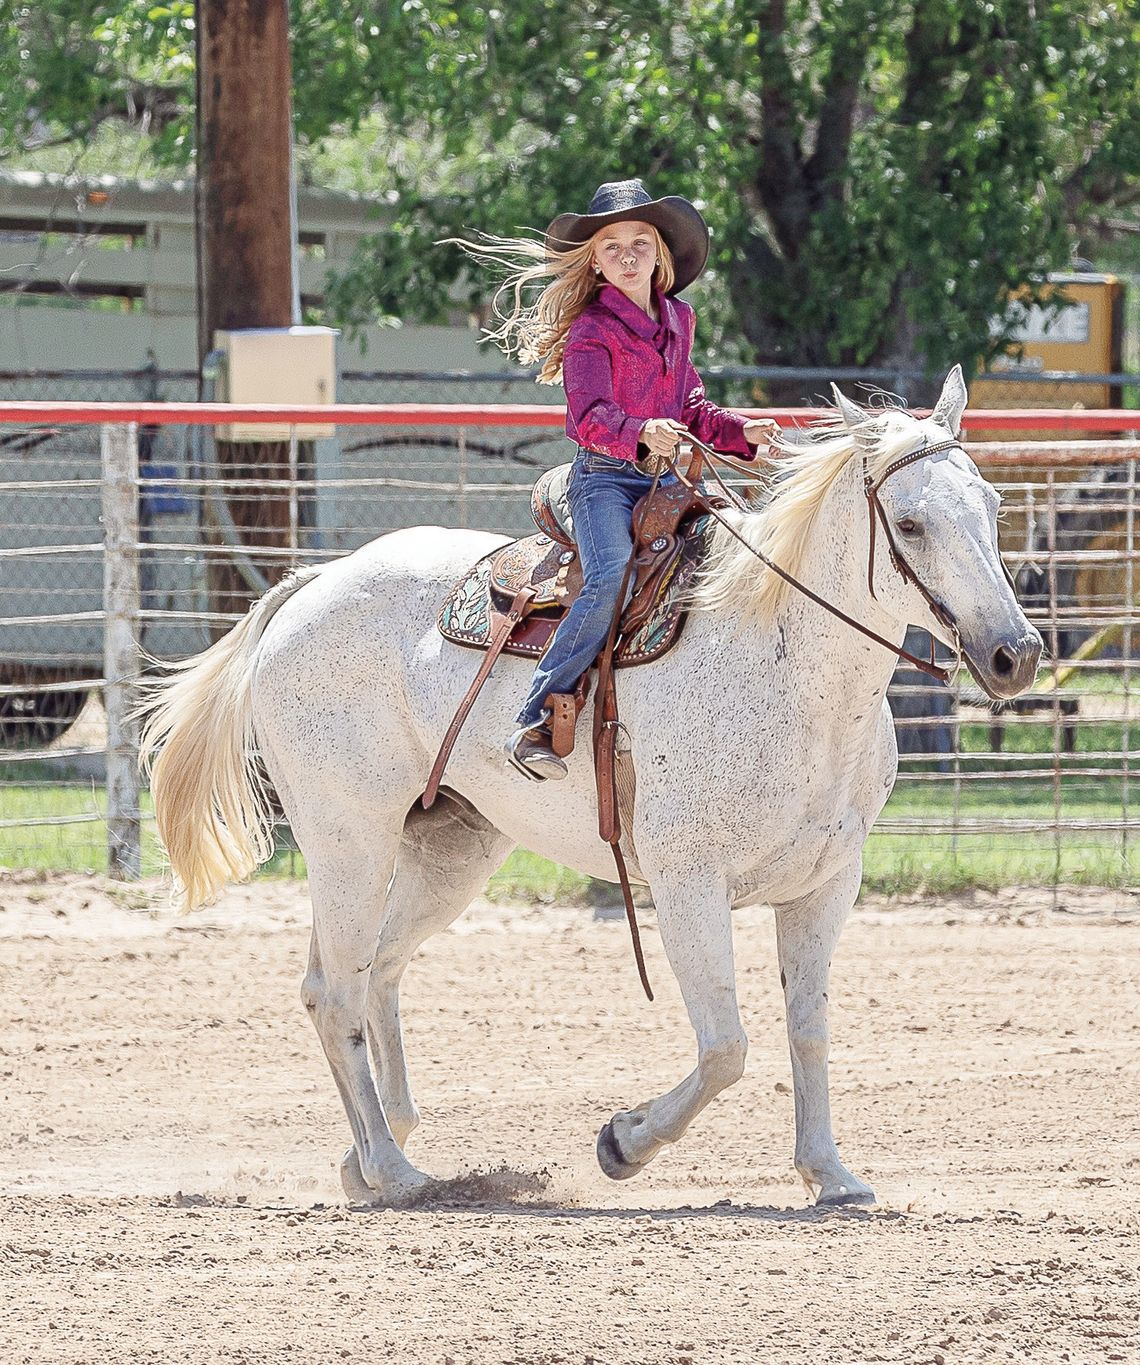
{"x":350,"y":866}
{"x":446,"y":855}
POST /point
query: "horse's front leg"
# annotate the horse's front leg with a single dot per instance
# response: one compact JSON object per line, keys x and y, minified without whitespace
{"x":806,"y":934}
{"x":695,"y":924}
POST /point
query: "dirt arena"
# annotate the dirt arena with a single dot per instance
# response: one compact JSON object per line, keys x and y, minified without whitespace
{"x":170,"y":1132}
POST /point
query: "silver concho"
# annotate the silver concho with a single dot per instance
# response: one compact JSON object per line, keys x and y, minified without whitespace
{"x":659,"y":544}
{"x":567,"y":557}
{"x":542,"y":540}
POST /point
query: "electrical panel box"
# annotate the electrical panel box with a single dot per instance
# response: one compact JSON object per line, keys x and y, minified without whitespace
{"x":266,"y":365}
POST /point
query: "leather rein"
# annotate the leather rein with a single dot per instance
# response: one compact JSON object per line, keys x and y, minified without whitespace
{"x":876,"y":513}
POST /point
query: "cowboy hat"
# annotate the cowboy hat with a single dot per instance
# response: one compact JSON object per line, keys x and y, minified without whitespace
{"x":685,"y":232}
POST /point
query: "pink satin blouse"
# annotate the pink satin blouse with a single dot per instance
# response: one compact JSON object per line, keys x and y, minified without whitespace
{"x":621,"y":368}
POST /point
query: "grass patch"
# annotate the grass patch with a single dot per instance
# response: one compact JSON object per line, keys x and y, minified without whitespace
{"x":77,"y":842}
{"x":523,"y":877}
{"x":893,"y":862}
{"x":527,"y":877}
{"x":908,"y":863}
{"x":935,"y":858}
{"x":976,"y":856}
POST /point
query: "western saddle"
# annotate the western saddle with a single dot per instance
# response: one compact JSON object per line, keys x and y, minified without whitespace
{"x":512,"y":600}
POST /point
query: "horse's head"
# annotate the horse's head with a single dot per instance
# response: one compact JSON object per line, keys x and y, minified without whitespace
{"x":941,"y":516}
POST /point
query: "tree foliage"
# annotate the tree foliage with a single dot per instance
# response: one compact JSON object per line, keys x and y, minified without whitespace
{"x":69,"y":67}
{"x":878,"y":173}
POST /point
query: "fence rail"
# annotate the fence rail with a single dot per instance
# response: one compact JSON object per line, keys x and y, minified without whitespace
{"x":112,"y":533}
{"x":549,"y":415}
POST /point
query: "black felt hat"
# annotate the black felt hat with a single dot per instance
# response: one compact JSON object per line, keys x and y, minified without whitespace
{"x":685,"y":232}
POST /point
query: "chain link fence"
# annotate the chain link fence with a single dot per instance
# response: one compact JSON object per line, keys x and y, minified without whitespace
{"x":1041,"y":792}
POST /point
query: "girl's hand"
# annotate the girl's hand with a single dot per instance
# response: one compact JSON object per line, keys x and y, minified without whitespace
{"x":662,"y":435}
{"x":761,"y":432}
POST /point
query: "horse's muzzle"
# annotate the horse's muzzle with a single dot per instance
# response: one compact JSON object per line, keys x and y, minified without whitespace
{"x":1007,"y":668}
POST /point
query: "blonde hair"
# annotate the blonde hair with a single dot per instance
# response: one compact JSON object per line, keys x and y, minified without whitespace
{"x":536,"y":330}
{"x":804,"y":476}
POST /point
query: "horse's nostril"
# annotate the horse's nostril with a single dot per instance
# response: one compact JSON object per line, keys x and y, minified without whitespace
{"x":1004,"y":662}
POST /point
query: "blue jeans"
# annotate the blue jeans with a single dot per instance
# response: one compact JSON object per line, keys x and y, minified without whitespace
{"x":603,"y":493}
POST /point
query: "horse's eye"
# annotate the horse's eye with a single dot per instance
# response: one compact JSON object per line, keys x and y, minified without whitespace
{"x":908,"y":526}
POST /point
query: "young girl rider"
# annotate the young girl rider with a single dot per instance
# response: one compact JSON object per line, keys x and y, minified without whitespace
{"x":610,"y":327}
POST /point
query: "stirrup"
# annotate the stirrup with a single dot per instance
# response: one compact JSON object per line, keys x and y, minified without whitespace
{"x":542,"y":766}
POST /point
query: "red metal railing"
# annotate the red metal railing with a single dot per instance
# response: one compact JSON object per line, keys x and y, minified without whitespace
{"x":501,"y":414}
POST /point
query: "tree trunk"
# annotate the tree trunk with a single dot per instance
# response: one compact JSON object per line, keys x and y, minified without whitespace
{"x":246,"y":237}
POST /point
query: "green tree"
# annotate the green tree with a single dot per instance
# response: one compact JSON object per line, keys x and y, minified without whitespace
{"x":69,"y":68}
{"x":878,"y":173}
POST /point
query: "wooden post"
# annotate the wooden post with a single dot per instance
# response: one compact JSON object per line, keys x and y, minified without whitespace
{"x":121,"y":604}
{"x":247,"y":231}
{"x":247,"y":210}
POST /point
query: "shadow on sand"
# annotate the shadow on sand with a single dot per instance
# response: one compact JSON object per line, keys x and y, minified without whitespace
{"x":509,"y":1191}
{"x":505,"y":1190}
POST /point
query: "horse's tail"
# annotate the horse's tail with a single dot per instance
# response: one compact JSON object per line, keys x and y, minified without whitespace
{"x":212,"y":803}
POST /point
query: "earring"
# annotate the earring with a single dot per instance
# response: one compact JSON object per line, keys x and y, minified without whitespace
{"x":597,"y":270}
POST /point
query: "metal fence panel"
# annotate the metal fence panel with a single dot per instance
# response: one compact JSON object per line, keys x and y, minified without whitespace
{"x":1041,"y":791}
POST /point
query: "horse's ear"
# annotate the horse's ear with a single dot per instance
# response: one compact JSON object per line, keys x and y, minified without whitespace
{"x":852,"y":413}
{"x":951,"y":402}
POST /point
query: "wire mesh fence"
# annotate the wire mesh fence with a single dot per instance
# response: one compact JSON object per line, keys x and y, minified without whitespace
{"x":1039,"y":792}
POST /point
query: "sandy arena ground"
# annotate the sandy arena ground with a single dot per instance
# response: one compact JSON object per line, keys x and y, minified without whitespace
{"x":170,"y":1131}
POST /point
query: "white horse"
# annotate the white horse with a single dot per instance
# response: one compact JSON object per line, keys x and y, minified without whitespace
{"x":762,"y":744}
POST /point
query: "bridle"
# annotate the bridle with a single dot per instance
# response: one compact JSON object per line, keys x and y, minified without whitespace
{"x":902,"y":566}
{"x":876,"y":514}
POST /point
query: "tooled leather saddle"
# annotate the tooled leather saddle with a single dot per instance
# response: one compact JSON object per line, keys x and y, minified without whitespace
{"x":511,"y":601}
{"x":546,"y":567}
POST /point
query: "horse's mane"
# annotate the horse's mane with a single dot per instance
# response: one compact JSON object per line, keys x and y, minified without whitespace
{"x":806,"y":469}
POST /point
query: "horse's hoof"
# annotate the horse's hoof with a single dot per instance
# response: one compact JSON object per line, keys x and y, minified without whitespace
{"x":356,"y":1189}
{"x":847,"y":1199}
{"x":610,"y":1158}
{"x":360,"y":1193}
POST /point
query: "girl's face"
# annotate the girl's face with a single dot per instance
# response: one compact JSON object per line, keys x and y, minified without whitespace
{"x":626,"y":254}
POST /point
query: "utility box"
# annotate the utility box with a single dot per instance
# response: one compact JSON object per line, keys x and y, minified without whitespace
{"x":265,"y":365}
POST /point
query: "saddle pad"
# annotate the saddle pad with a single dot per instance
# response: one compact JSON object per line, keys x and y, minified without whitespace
{"x":465,"y":616}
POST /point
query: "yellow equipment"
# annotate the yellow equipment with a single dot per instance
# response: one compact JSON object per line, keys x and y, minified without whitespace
{"x":1085,"y":337}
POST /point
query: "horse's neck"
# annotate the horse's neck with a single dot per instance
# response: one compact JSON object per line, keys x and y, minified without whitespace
{"x":850,"y":671}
